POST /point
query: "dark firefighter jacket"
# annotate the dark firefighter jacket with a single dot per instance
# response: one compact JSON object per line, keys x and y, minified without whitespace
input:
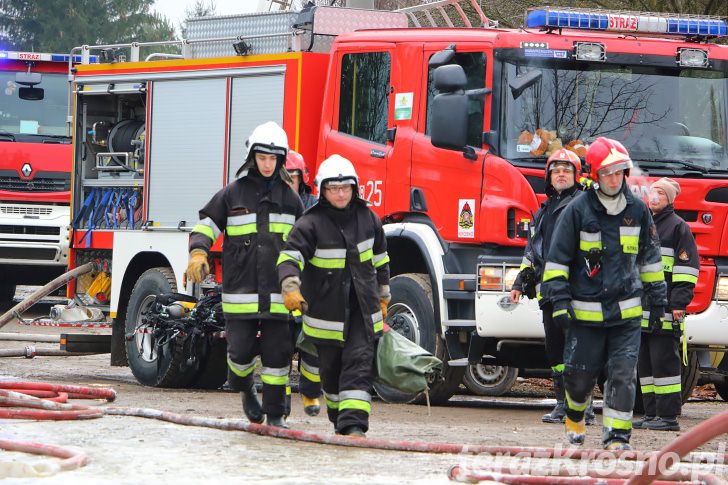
{"x":329,"y":250}
{"x":256,"y":217}
{"x":308,"y":199}
{"x":680,"y":262}
{"x":630,"y":260}
{"x":542,"y":227}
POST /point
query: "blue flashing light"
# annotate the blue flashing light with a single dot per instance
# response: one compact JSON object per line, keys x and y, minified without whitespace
{"x":634,"y":22}
{"x":76,"y":58}
{"x":3,"y":55}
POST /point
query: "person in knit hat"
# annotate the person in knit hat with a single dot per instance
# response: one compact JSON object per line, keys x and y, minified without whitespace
{"x":659,"y":359}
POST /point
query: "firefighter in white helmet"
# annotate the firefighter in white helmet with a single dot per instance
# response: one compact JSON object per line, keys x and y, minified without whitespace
{"x":334,"y":269}
{"x":256,"y":212}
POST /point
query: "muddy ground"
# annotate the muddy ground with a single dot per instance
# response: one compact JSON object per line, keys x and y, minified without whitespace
{"x":132,"y":450}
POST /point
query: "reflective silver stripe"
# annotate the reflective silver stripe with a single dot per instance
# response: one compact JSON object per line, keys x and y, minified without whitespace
{"x":630,"y":303}
{"x":667,"y":252}
{"x":284,"y":218}
{"x":645,"y":314}
{"x":294,"y":254}
{"x":377,"y":317}
{"x":323,"y":324}
{"x":378,"y":257}
{"x":358,"y":395}
{"x":556,"y":266}
{"x":538,"y":288}
{"x":275,"y":371}
{"x":629,"y":231}
{"x":651,"y":268}
{"x":330,"y":253}
{"x":590,"y":236}
{"x":332,"y":397}
{"x":667,"y":381}
{"x":240,"y":298}
{"x":589,"y":306}
{"x":685,"y":270}
{"x":242,"y":367}
{"x":276,"y":298}
{"x":364,"y":245}
{"x":241,"y":220}
{"x":646,"y":381}
{"x":668,"y":317}
{"x":211,"y":224}
{"x":309,"y":368}
{"x":608,"y":412}
{"x":526,"y":262}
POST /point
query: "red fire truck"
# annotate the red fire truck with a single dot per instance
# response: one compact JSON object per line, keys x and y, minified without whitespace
{"x":35,"y":165}
{"x":451,"y":159}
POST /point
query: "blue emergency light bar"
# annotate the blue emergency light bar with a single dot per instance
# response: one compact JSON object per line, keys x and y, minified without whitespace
{"x":621,"y":21}
{"x":42,"y":56}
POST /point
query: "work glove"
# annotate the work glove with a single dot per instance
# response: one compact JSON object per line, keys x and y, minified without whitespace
{"x":657,"y":314}
{"x":384,"y":297}
{"x":292,"y":298}
{"x":198,"y":267}
{"x":676,"y":330}
{"x":563,"y":314}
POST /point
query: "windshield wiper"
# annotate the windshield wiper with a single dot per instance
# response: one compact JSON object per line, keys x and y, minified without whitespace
{"x":683,"y":163}
{"x":7,"y":134}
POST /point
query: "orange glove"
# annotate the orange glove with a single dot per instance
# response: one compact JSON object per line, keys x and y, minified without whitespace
{"x":294,"y":301}
{"x":384,"y":303}
{"x":198,"y":267}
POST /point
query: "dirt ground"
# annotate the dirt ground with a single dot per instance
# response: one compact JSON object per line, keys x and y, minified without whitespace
{"x":130,"y":450}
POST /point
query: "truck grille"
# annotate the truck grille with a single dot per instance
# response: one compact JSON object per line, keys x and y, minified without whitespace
{"x":28,"y":253}
{"x":38,"y":184}
{"x":30,"y":230}
{"x":25,"y":210}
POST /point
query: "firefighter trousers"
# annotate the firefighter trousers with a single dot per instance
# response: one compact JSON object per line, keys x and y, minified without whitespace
{"x":554,"y":340}
{"x":347,"y":376}
{"x":309,"y":383}
{"x":589,"y":349}
{"x":275,"y":350}
{"x":659,"y":370}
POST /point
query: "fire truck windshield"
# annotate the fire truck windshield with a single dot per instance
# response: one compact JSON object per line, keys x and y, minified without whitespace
{"x":670,"y":120}
{"x":33,"y":120}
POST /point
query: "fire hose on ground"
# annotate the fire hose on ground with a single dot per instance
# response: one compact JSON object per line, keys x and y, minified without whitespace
{"x":49,"y":401}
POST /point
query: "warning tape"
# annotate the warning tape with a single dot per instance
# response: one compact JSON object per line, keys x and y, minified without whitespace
{"x":50,"y":323}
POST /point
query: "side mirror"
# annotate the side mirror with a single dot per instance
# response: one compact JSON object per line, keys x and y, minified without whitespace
{"x":449,"y":127}
{"x":523,"y":81}
{"x":442,"y":57}
{"x":450,"y":78}
{"x":31,"y":94}
{"x":28,"y":78}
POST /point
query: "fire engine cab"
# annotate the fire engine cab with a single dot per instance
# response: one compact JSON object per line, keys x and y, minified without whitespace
{"x":448,"y":128}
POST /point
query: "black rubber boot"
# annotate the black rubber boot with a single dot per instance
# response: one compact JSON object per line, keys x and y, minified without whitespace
{"x":558,"y":413}
{"x":354,"y":432}
{"x":662,"y":424}
{"x":251,"y":405}
{"x":640,"y":423}
{"x":276,"y":421}
{"x":589,"y":416}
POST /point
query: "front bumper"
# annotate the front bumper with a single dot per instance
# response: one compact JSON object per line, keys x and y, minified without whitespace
{"x":34,"y":234}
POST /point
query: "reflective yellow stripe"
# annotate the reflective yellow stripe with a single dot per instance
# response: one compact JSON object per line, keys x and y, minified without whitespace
{"x":240,"y":308}
{"x":588,"y":316}
{"x":274,"y":380}
{"x":323,"y":334}
{"x":653,"y":277}
{"x":286,"y":257}
{"x":667,"y":389}
{"x":648,"y":388}
{"x":587,"y":245}
{"x":684,"y":278}
{"x":554,"y":273}
{"x":366,"y":255}
{"x":355,"y":404}
{"x":280,"y":227}
{"x":308,"y":375}
{"x":558,"y":313}
{"x":575,"y":406}
{"x":206,"y":230}
{"x":632,"y":312}
{"x":381,"y":262}
{"x":278,"y":308}
{"x":328,"y":263}
{"x":615,"y":423}
{"x":331,"y":404}
{"x":559,"y":369}
{"x":667,"y":263}
{"x":241,"y":230}
{"x":241,"y":370}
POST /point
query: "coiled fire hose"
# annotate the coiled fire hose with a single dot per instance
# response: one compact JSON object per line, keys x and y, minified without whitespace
{"x":53,"y":405}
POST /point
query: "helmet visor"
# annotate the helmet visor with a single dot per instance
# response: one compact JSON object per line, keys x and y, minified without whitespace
{"x":615,"y":167}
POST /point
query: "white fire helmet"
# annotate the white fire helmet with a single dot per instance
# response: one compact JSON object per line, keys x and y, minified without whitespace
{"x":267,"y":138}
{"x":336,"y":168}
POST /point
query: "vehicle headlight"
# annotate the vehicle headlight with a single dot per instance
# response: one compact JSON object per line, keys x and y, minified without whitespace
{"x":721,"y":290}
{"x":496,"y":278}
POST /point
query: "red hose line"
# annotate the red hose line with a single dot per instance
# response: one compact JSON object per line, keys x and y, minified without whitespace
{"x":70,"y":460}
{"x":681,"y":446}
{"x":77,"y":391}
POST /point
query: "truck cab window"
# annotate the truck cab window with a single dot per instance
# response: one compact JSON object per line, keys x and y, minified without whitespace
{"x":474,"y":65}
{"x":364,"y":97}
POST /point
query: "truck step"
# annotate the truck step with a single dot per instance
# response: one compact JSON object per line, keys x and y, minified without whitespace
{"x":458,"y":362}
{"x":459,"y":323}
{"x":78,"y":342}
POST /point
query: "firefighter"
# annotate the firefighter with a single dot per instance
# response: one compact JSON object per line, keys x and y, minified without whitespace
{"x":659,"y":361}
{"x":562,"y":169}
{"x":298,"y":171}
{"x":334,"y":269}
{"x":309,"y":379}
{"x":604,"y":257}
{"x":256,"y":212}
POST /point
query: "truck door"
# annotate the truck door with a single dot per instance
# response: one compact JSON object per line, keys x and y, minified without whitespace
{"x":449,"y":183}
{"x":362,"y":115}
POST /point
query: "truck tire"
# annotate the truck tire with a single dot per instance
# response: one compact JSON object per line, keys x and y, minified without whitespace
{"x":411,"y":314}
{"x":489,"y":380}
{"x":152,"y":365}
{"x":7,"y":292}
{"x":213,"y":372}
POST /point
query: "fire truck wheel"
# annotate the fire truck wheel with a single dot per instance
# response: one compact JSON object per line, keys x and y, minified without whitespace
{"x":152,"y":365}
{"x":213,"y":372}
{"x":411,"y":314}
{"x":7,"y":292}
{"x":489,"y":380}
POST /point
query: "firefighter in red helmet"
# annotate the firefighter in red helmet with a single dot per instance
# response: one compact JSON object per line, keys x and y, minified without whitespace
{"x":296,"y":167}
{"x":604,"y":258}
{"x":562,"y":172}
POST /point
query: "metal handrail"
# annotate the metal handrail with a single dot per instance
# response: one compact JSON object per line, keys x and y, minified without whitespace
{"x":440,"y":5}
